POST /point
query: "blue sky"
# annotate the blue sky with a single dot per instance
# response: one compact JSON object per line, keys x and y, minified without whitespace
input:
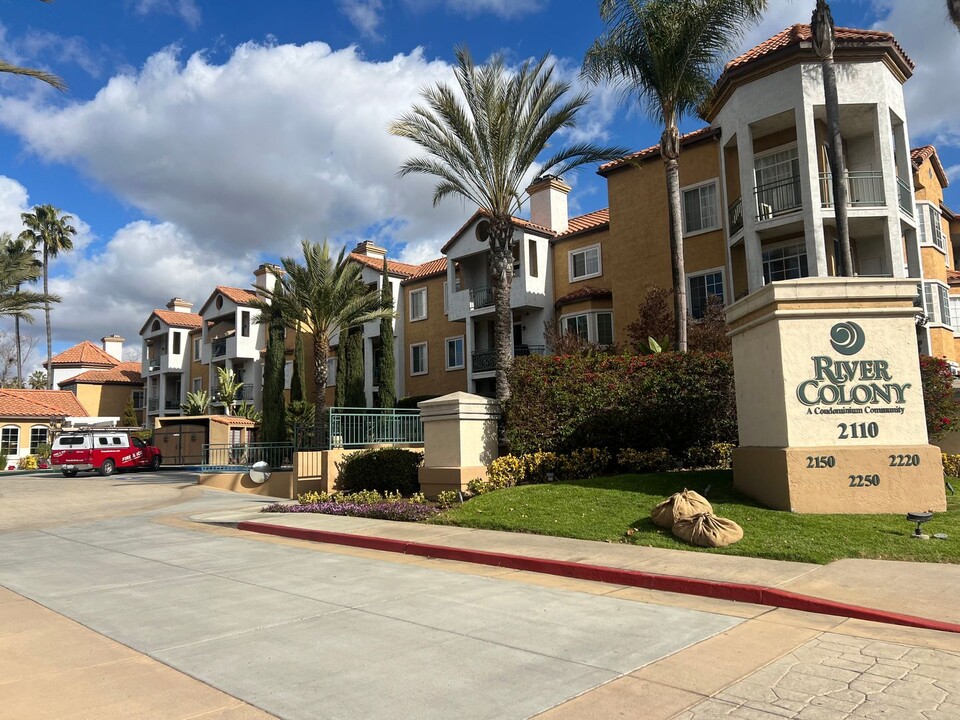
{"x":201,"y":137}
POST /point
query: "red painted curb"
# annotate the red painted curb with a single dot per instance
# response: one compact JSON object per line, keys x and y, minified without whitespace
{"x":739,"y":592}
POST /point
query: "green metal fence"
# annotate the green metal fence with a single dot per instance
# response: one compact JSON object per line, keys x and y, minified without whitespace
{"x":228,"y":458}
{"x":359,"y":427}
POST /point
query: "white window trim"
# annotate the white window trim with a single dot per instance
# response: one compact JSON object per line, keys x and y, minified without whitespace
{"x":937,"y":319}
{"x":197,"y":343}
{"x":16,"y":449}
{"x":794,"y":242}
{"x":592,"y":332}
{"x":426,"y":360}
{"x":584,"y":249}
{"x":30,"y":439}
{"x":196,"y":384}
{"x":410,"y":295}
{"x":446,"y":352}
{"x":924,"y":217}
{"x":700,"y":273}
{"x":683,"y":218}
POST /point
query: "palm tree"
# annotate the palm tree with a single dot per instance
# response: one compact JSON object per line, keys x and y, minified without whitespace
{"x":482,"y":147}
{"x":46,"y":77}
{"x":15,"y":270}
{"x":47,"y":227}
{"x":953,"y":8}
{"x":320,"y":296}
{"x":22,"y":253}
{"x":824,"y":41}
{"x":666,"y":52}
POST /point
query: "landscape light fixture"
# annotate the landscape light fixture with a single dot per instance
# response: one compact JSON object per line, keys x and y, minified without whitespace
{"x":919,"y":518}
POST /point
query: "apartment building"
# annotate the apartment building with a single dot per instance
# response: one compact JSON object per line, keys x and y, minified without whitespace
{"x":167,"y":348}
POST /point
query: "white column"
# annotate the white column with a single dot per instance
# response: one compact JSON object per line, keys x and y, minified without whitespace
{"x":368,"y":370}
{"x":810,"y":191}
{"x":751,"y":238}
{"x":892,"y":233}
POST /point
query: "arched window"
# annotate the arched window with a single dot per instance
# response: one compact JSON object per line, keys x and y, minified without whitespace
{"x":155,"y":326}
{"x":39,"y":435}
{"x":10,"y":440}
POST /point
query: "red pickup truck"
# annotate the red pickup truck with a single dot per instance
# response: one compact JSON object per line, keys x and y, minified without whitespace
{"x":103,"y":451}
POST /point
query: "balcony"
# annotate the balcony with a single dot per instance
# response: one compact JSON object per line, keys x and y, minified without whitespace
{"x":153,"y":404}
{"x":778,"y":197}
{"x":481,"y":297}
{"x":153,"y":364}
{"x":524,"y":350}
{"x":864,"y":189}
{"x":245,"y":392}
{"x":735,"y":216}
{"x":905,"y":197}
{"x":171,"y":404}
{"x":218,"y":348}
{"x":486,"y":360}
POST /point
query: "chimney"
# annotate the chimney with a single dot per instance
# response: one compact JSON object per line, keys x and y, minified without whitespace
{"x":179,"y":305}
{"x":548,"y":203}
{"x":266,"y":276}
{"x":370,"y":250}
{"x":113,"y":346}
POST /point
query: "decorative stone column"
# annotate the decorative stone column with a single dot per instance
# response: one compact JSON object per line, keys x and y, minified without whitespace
{"x":829,"y":398}
{"x":459,"y":441}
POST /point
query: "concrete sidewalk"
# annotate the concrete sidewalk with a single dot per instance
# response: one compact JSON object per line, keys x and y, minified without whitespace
{"x":927,"y":590}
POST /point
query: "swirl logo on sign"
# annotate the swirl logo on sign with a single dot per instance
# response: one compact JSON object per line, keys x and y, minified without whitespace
{"x":847,"y":338}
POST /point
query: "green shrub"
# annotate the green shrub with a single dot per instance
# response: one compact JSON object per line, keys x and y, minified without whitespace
{"x":411,"y":401}
{"x":43,"y":451}
{"x":951,"y":465}
{"x":536,"y":467}
{"x":312,"y":497}
{"x":723,"y":454}
{"x":642,"y":461}
{"x":479,"y":486}
{"x":584,"y":463}
{"x":669,"y":400}
{"x":505,"y":471}
{"x":3,"y":461}
{"x":938,"y":399}
{"x":447,"y":498}
{"x":386,"y":470}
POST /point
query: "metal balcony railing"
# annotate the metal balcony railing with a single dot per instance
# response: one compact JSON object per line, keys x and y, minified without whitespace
{"x":358,"y":427}
{"x":218,"y":348}
{"x":171,"y":404}
{"x":153,"y":404}
{"x":779,"y":196}
{"x":523,"y":350}
{"x":481,"y":297}
{"x":245,"y":392}
{"x":483,"y":360}
{"x":905,"y":197}
{"x":735,"y":216}
{"x":153,"y":364}
{"x":242,"y":456}
{"x":864,"y":188}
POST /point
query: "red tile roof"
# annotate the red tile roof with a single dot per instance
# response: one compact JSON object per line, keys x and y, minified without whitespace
{"x":928,"y":152}
{"x":127,"y":373}
{"x":239,"y":295}
{"x":84,"y":353}
{"x":953,"y":277}
{"x":180,"y":319}
{"x":584,"y":293}
{"x":689,"y":138}
{"x":429,"y":269}
{"x":518,"y":222}
{"x":595,"y":220}
{"x":393,"y":268}
{"x":39,"y":404}
{"x":232,"y":420}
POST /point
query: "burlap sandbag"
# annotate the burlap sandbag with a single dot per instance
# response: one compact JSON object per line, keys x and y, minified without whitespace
{"x":679,"y":505}
{"x":707,"y":530}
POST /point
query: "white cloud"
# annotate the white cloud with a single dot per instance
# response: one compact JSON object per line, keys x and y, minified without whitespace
{"x":502,"y":8}
{"x":365,"y":15}
{"x":188,"y":10}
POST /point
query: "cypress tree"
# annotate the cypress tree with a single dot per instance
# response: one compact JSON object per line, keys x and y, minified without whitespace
{"x":298,"y":382}
{"x":129,"y":414}
{"x":387,"y":393}
{"x":356,"y":397}
{"x":273,"y":423}
{"x":340,"y":397}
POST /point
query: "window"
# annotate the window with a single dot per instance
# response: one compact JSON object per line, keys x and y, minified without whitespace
{"x":244,"y":323}
{"x":196,"y":349}
{"x":778,"y":182}
{"x":197,"y":384}
{"x":331,"y":372}
{"x":585,"y":263}
{"x":595,"y":327}
{"x":418,"y":359}
{"x":605,"y":328}
{"x":10,"y":440}
{"x":455,"y":353}
{"x":701,"y":288}
{"x":955,"y":307}
{"x":700,"y":209}
{"x":937,"y":303}
{"x":931,"y":228}
{"x":577,"y":325}
{"x":418,"y":304}
{"x":38,"y":437}
{"x":787,"y":262}
{"x":138,"y":399}
{"x":287,"y":374}
{"x":176,"y":343}
{"x":532,"y":252}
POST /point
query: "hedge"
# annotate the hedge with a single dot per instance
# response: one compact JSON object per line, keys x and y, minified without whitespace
{"x":938,"y":398}
{"x":669,"y":400}
{"x":386,"y":470}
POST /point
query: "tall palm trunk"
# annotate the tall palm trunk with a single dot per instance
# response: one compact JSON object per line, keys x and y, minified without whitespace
{"x":501,"y":267}
{"x":321,"y":348}
{"x":824,"y":40}
{"x":46,"y":316}
{"x":670,"y":152}
{"x":16,"y":333}
{"x":953,"y":7}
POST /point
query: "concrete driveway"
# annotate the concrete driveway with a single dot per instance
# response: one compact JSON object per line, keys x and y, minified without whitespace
{"x":311,"y":632}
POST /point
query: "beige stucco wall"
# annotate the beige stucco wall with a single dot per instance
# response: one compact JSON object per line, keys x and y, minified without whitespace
{"x":23,"y":442}
{"x":434,"y":331}
{"x":561,"y":262}
{"x":104,"y":400}
{"x":639,"y":231}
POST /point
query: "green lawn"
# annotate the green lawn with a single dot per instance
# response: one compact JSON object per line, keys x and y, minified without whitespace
{"x":607,"y":508}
